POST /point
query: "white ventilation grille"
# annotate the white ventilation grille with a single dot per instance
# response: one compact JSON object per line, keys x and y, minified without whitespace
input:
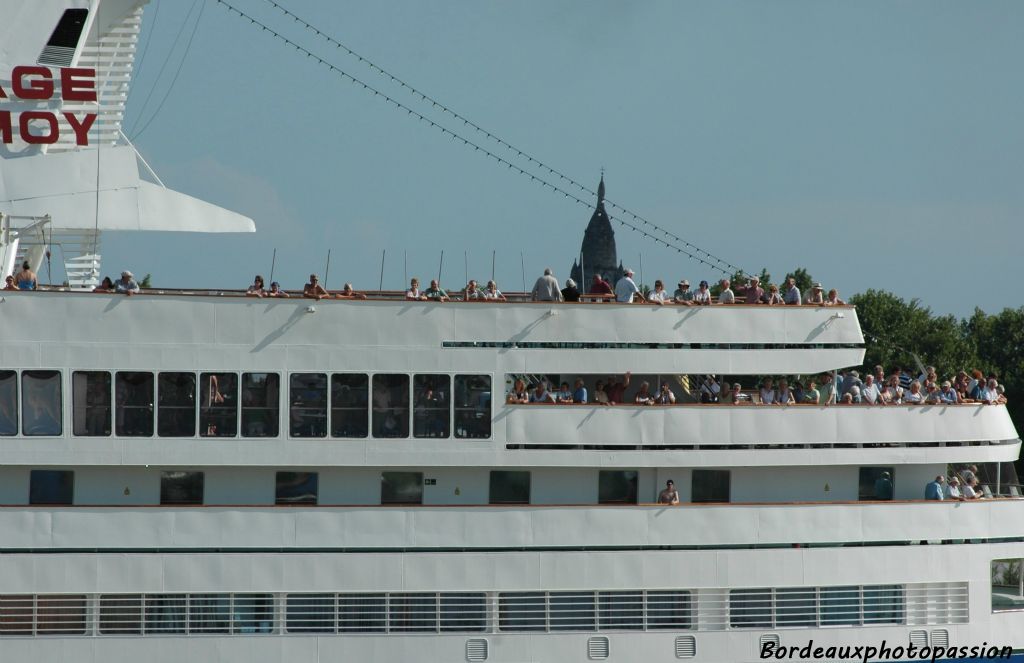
{"x":919,"y":638}
{"x":769,"y":637}
{"x":476,"y":649}
{"x":940,"y":638}
{"x":686,"y":646}
{"x":597,"y":648}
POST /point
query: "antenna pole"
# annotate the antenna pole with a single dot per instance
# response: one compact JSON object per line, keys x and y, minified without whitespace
{"x":405,"y":264}
{"x":273,"y":263}
{"x":583,"y":275}
{"x":327,"y":269}
{"x":641,"y":268}
{"x":493,"y":256}
{"x":382,"y":254}
{"x":522,"y":265}
{"x":465,"y":260}
{"x":440,"y":266}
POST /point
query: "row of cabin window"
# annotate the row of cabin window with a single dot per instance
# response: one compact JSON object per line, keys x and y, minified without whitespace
{"x":57,"y":487}
{"x":342,"y":403}
{"x":397,"y":612}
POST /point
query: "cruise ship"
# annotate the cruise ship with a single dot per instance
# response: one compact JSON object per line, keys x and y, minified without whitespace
{"x":208,"y":476}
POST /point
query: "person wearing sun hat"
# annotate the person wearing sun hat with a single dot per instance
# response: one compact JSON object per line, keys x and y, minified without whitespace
{"x":126,"y":285}
{"x":683,"y":295}
{"x":816,"y":296}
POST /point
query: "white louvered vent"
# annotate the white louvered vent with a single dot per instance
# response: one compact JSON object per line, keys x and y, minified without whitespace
{"x":940,"y":638}
{"x":686,"y":646}
{"x":919,"y":638}
{"x":597,"y":648}
{"x":768,"y":637}
{"x":476,"y":649}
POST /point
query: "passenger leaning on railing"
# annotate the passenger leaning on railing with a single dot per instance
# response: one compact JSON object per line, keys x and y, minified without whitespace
{"x":105,"y":287}
{"x":9,"y":284}
{"x":492,"y":292}
{"x":126,"y":285}
{"x":313,"y":289}
{"x":26,"y":278}
{"x":599,"y":286}
{"x":256,"y":289}
{"x":519,"y":394}
{"x":726,"y":296}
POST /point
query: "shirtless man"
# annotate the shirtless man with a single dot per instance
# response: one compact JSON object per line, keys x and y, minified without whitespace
{"x":670,"y":495}
{"x":313,"y":289}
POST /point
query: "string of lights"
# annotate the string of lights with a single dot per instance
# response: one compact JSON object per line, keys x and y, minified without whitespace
{"x":686,"y":249}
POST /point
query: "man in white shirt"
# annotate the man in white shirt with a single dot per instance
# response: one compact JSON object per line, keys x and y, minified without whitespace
{"x":869,"y":391}
{"x":989,"y":394}
{"x":727,"y":296}
{"x":626,"y":289}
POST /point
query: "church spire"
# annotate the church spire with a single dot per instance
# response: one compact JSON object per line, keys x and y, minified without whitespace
{"x":600,"y":189}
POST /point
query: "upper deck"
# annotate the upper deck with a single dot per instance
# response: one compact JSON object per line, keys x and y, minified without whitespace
{"x":212,"y":331}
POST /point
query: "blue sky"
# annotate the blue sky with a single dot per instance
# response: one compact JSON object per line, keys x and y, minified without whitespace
{"x":877,"y":144}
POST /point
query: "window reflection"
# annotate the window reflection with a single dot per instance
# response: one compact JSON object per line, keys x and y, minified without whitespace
{"x":41,"y":403}
{"x":472,"y":406}
{"x":430,"y":412}
{"x":308,"y":401}
{"x":296,"y":488}
{"x":8,"y":403}
{"x":134,"y":399}
{"x":390,"y":405}
{"x":349,"y":405}
{"x":92,"y":403}
{"x":218,"y":405}
{"x":176,"y":410}
{"x":260,"y":398}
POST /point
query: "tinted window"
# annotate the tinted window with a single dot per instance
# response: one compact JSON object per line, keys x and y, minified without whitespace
{"x":51,"y":487}
{"x":166,"y":613}
{"x":796,"y":606}
{"x":472,"y":401}
{"x":750,"y":608}
{"x":522,"y":611}
{"x":430,"y":411}
{"x":883,"y":604}
{"x":69,"y":28}
{"x":401,"y":488}
{"x":876,"y":483}
{"x":710,"y":486}
{"x":362,"y":613}
{"x":617,"y":487}
{"x":465,"y":611}
{"x":669,"y":610}
{"x":571,"y":611}
{"x":181,"y":487}
{"x":390,"y":405}
{"x":8,"y":403}
{"x":260,"y":397}
{"x":92,"y":403}
{"x":310,"y":613}
{"x":209,"y":613}
{"x":350,"y":396}
{"x":412,"y":613}
{"x":621,"y":610}
{"x":16,"y":614}
{"x":253,"y":613}
{"x":297,"y":488}
{"x":120,"y":614}
{"x":840,"y":605}
{"x":133,"y":396}
{"x":308,"y":402}
{"x":510,"y":487}
{"x":176,"y":411}
{"x":60,"y":614}
{"x":40,"y":403}
{"x":218,"y":405}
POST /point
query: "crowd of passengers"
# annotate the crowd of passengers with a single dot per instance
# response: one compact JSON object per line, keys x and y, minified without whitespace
{"x":899,"y":387}
{"x":546,"y":289}
{"x":962,"y":485}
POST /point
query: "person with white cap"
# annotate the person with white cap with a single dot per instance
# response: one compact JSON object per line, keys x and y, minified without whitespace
{"x":626,"y":289}
{"x":126,"y":285}
{"x":753,"y":293}
{"x":816,"y":296}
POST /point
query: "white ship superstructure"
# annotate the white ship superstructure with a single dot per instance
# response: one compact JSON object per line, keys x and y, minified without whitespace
{"x":220,"y":477}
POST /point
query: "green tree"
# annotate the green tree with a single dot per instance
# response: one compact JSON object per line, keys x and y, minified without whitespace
{"x":146,"y":281}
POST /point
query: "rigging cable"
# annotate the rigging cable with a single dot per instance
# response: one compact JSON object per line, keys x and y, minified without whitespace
{"x":177,"y":39}
{"x":422,"y":96}
{"x":555,"y":188}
